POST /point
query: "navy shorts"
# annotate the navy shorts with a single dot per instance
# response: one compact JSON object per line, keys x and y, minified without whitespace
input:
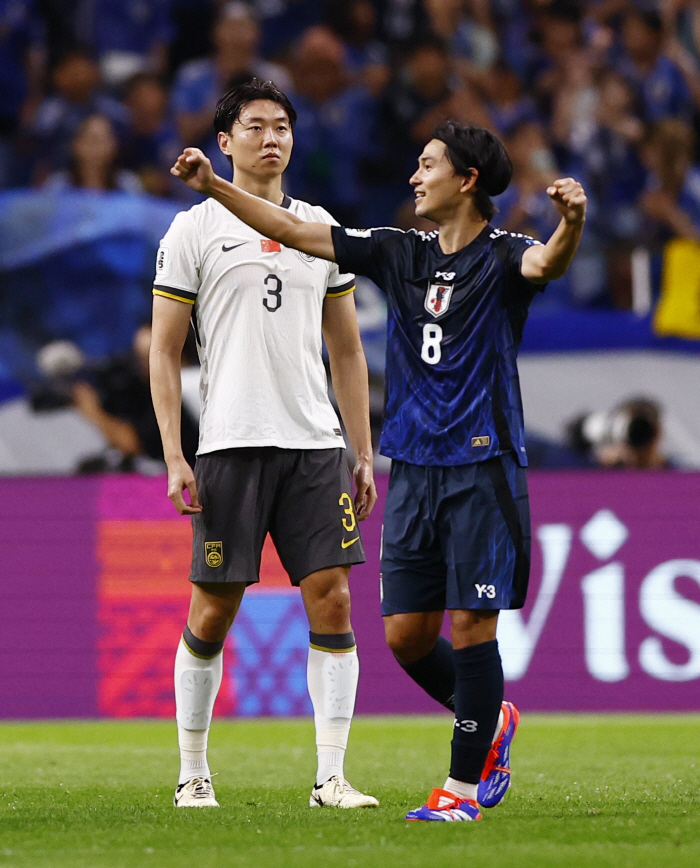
{"x":456,"y":537}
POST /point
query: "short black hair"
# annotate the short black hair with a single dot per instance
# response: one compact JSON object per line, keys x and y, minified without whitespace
{"x":229,"y":107}
{"x":470,"y":147}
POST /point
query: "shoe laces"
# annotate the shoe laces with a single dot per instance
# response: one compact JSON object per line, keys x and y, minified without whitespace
{"x":201,"y":788}
{"x":344,"y":785}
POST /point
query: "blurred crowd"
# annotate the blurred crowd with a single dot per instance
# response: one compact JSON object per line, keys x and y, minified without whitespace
{"x":103,"y":94}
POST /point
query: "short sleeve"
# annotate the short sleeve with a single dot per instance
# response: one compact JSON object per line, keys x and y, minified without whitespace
{"x":177,"y":262}
{"x":339,"y":282}
{"x":371,"y":252}
{"x":511,"y":247}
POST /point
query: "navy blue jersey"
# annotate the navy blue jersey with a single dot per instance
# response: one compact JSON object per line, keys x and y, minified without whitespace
{"x":455,"y":324}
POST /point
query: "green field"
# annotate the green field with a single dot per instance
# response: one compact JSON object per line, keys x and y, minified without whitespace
{"x":587,"y":791}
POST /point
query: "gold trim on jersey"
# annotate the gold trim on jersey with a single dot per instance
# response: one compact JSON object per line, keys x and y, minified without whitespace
{"x":174,"y":297}
{"x":331,"y":294}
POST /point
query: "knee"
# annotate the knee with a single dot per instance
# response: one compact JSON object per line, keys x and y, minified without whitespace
{"x":473,"y":627}
{"x":211,"y":622}
{"x":330,"y":596}
{"x":334,"y":607}
{"x":407,"y":644}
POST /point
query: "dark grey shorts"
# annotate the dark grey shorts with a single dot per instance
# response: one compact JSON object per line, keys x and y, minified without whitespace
{"x":301,"y":497}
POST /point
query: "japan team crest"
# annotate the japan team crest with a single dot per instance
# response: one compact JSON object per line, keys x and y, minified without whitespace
{"x":437,"y":299}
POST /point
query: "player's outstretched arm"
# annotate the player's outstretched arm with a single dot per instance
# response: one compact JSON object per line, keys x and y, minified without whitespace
{"x":543,"y":263}
{"x":171,"y":320}
{"x":195,"y":169}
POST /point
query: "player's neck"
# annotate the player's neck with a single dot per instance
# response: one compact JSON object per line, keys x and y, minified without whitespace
{"x":459,"y":230}
{"x":263,"y":188}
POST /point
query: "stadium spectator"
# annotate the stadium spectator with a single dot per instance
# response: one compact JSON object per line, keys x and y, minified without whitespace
{"x":506,"y":102}
{"x":560,"y":39}
{"x":401,"y":22}
{"x":125,"y":37}
{"x":193,"y":23}
{"x":332,"y":129}
{"x":422,"y":92}
{"x":671,"y":202}
{"x":283,"y":22}
{"x":94,"y":161}
{"x":468,"y":30}
{"x":78,"y":94}
{"x":22,"y":60}
{"x":199,"y":84}
{"x":152,"y":140}
{"x":660,"y":84}
{"x":608,"y":159}
{"x":525,"y":207}
{"x":366,"y":58}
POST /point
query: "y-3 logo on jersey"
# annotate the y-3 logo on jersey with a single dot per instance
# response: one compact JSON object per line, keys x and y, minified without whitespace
{"x":437,"y":299}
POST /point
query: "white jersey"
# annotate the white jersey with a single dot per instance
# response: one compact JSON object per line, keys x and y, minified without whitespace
{"x":257,"y":316}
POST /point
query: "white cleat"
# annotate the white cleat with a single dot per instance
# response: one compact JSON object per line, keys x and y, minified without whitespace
{"x":196,"y":793}
{"x":337,"y":793}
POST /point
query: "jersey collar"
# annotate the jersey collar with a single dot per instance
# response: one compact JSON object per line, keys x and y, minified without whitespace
{"x":474,"y":244}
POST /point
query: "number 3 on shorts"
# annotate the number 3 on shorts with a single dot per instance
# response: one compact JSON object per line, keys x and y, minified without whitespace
{"x":431,"y":351}
{"x":349,"y":522}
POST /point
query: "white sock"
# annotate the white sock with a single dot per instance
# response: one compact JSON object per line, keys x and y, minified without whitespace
{"x":197,"y":682}
{"x":498,"y":727}
{"x":461,"y":789}
{"x":332,"y":680}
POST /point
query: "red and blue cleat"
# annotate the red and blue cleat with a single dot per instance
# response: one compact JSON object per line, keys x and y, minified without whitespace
{"x":495,"y":778}
{"x":444,"y":807}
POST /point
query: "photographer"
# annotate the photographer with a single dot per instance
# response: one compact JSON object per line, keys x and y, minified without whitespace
{"x":628,"y":437}
{"x":115,"y":398}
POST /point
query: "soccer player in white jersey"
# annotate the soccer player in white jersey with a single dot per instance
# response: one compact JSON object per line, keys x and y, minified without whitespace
{"x":271,"y":456}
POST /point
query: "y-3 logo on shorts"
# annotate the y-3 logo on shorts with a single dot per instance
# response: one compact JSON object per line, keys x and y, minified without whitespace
{"x":466,"y":725}
{"x":486,"y":591}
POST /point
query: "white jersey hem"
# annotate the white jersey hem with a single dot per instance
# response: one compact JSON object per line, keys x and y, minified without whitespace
{"x":279,"y":444}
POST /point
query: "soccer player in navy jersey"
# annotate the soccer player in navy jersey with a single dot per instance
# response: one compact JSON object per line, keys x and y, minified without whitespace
{"x":456,"y":524}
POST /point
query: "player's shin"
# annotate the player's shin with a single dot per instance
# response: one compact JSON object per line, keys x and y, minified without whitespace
{"x":198,"y":672}
{"x":478,"y":697}
{"x":435,"y":673}
{"x":332,"y":675}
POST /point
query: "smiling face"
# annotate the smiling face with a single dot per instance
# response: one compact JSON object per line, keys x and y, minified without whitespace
{"x":438,"y":190}
{"x":260,"y":140}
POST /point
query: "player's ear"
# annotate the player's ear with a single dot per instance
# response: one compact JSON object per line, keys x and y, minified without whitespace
{"x":469,"y":181}
{"x":224,"y":143}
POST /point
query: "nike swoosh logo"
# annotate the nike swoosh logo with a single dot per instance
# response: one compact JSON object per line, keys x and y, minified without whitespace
{"x":232,"y":247}
{"x":346,"y":544}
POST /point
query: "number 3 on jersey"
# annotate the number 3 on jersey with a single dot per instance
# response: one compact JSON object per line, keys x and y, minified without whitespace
{"x":431,"y":351}
{"x":274,"y":290}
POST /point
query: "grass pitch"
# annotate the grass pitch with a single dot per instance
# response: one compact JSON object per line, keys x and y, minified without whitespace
{"x":587,"y":791}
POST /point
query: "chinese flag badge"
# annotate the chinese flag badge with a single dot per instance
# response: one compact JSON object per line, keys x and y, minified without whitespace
{"x":269,"y":246}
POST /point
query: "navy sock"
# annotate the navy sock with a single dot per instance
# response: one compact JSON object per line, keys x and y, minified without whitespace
{"x":435,"y":673}
{"x":478,"y":697}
